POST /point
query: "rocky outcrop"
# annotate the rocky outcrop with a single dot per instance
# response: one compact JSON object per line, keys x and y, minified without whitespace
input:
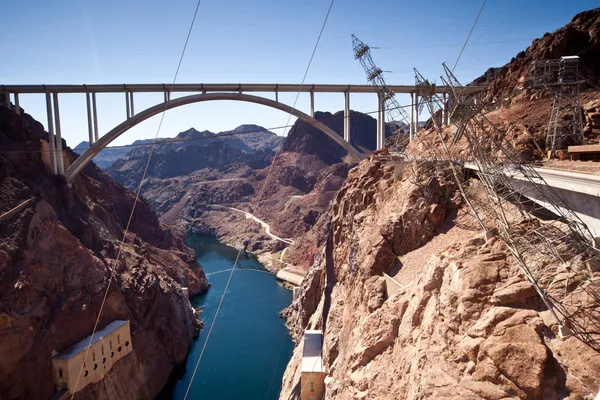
{"x":460,"y":323}
{"x":109,"y":155}
{"x":294,"y":190}
{"x":192,"y":150}
{"x":580,"y":37}
{"x":62,"y":252}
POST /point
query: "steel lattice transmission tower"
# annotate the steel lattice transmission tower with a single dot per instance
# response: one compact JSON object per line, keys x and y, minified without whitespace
{"x":395,"y":112}
{"x":562,"y":77}
{"x":552,"y":254}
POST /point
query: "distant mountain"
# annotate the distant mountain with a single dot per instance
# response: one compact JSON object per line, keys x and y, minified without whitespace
{"x":192,"y":150}
{"x":255,"y":138}
{"x":109,"y":155}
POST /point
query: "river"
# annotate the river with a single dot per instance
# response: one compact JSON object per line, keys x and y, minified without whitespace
{"x":249,"y":347}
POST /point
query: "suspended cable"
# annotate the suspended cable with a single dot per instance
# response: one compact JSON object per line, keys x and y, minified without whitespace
{"x":137,"y":196}
{"x":469,"y":35}
{"x":215,"y":137}
{"x":258,"y":202}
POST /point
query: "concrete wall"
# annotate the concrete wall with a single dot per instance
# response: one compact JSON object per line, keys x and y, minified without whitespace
{"x":312,"y":385}
{"x":290,"y":277}
{"x":102,"y":355}
{"x":586,"y":206}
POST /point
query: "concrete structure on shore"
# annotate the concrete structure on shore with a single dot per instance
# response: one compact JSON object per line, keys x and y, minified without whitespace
{"x":312,"y":380}
{"x":289,"y":276}
{"x":108,"y":346}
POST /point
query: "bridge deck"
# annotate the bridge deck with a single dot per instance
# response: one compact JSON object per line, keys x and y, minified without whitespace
{"x":215,"y":87}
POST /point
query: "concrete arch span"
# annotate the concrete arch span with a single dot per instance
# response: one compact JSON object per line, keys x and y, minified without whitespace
{"x":117,"y":131}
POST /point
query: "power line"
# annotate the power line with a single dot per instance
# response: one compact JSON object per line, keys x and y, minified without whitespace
{"x":258,"y":202}
{"x":217,"y":136}
{"x":135,"y":202}
{"x":469,"y":35}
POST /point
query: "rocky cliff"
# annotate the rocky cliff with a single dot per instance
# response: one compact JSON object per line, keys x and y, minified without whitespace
{"x":192,"y":150}
{"x":580,"y":37}
{"x":58,"y":253}
{"x":456,"y":320}
{"x":300,"y":184}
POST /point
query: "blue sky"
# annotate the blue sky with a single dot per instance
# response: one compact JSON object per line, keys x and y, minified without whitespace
{"x":258,"y":41}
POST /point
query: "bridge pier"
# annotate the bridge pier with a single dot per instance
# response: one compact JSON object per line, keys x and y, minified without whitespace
{"x":131,"y":104}
{"x":59,"y":150}
{"x":51,"y":142}
{"x":445,"y":109}
{"x":127,"y":107}
{"x":449,"y":108}
{"x":312,"y":103}
{"x":347,"y":116}
{"x":411,"y":128}
{"x":89,"y":118}
{"x":415,"y":106}
{"x":95,"y":114}
{"x":17,"y":105}
{"x":380,"y":121}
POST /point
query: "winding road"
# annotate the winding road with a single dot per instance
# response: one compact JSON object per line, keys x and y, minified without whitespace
{"x":262,"y":223}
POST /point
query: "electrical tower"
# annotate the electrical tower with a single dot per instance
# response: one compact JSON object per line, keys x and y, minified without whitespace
{"x":552,"y":254}
{"x":562,"y":77}
{"x":395,"y":112}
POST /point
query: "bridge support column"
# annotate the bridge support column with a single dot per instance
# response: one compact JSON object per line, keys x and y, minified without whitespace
{"x":380,"y":121}
{"x":416,"y":112}
{"x":132,"y":111}
{"x":445,"y":109}
{"x":60,"y":164}
{"x":127,"y":108}
{"x":17,"y":105}
{"x":95,"y":114}
{"x":412,"y":116}
{"x":89,"y":118}
{"x":312,"y":103}
{"x":450,"y":108}
{"x":51,"y":142}
{"x":347,"y":117}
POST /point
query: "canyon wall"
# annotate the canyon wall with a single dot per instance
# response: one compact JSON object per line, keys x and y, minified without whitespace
{"x":58,"y":254}
{"x":458,"y":321}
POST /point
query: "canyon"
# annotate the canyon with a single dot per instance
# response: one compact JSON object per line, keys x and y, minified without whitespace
{"x":65,"y":254}
{"x":414,"y":299}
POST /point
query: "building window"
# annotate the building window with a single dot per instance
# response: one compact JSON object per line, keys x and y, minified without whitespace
{"x":312,"y":386}
{"x":60,"y":373}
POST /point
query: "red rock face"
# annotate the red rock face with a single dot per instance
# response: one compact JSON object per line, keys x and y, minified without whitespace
{"x":461,"y":323}
{"x":57,"y":256}
{"x":579,"y":37}
{"x":302,"y":181}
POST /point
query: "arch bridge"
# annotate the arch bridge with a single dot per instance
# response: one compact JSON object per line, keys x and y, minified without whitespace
{"x":203,"y":92}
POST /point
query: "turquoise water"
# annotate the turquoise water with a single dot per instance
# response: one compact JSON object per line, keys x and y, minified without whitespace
{"x":249,"y":347}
